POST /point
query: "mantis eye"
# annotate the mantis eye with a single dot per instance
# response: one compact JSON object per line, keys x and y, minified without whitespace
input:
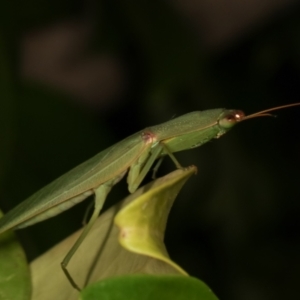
{"x":231,"y":118}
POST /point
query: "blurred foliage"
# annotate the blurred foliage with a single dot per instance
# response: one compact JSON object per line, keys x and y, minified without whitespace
{"x":144,"y":287}
{"x":239,"y":229}
{"x":15,"y":280}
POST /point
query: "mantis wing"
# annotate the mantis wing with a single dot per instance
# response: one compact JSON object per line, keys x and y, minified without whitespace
{"x":81,"y":180}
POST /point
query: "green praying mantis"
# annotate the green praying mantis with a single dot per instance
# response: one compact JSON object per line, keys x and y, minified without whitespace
{"x":136,"y":155}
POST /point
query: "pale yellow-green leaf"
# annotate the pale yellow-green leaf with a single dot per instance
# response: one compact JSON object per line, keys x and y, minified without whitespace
{"x":14,"y":271}
{"x":143,"y":222}
{"x":100,"y":255}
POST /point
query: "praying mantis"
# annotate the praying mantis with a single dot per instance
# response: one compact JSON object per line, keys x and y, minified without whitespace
{"x":136,"y":155}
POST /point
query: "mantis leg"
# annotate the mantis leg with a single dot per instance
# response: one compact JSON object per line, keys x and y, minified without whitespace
{"x":139,"y":170}
{"x":156,"y":167}
{"x":168,"y":152}
{"x":100,"y":196}
{"x":87,"y":212}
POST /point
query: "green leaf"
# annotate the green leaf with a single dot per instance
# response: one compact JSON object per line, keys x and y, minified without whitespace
{"x":147,"y":287}
{"x":14,"y":272}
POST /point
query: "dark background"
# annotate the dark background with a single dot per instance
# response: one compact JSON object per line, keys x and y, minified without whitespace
{"x":78,"y":76}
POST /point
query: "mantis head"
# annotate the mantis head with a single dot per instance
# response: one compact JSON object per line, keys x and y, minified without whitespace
{"x":230,"y":118}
